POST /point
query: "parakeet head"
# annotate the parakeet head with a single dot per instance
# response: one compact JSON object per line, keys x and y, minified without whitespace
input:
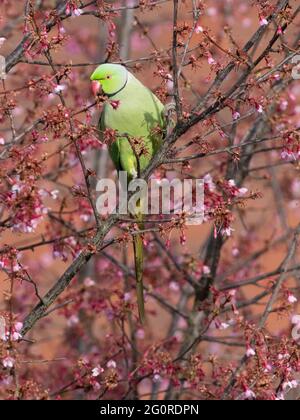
{"x":111,"y":77}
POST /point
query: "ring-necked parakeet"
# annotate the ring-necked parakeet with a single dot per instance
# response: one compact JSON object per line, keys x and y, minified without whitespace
{"x":133,"y":110}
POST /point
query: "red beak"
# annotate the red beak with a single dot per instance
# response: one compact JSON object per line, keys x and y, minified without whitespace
{"x":96,"y":86}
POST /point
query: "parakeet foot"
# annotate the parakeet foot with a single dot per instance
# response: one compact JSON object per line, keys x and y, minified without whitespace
{"x":169,"y":114}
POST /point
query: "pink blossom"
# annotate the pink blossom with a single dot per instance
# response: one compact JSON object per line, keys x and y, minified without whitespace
{"x":60,"y":88}
{"x":54,"y":194}
{"x":18,"y":326}
{"x":178,"y":336}
{"x":209,"y":181}
{"x":88,"y":282}
{"x":111,"y":364}
{"x":283,"y":105}
{"x":288,"y":155}
{"x":199,"y":29}
{"x":288,"y":385}
{"x":283,"y":356}
{"x":8,"y":362}
{"x":174,"y":286}
{"x":115,"y":104}
{"x":211,"y":60}
{"x":242,"y":191}
{"x":182,"y":323}
{"x":127,"y":297}
{"x":259,"y":108}
{"x":77,"y":12}
{"x":73,"y":320}
{"x":235,"y":252}
{"x":16,"y":336}
{"x":296,"y":320}
{"x":248,"y":395}
{"x":236,"y":115}
{"x":157,"y":378}
{"x":97,"y":371}
{"x":85,"y":217}
{"x":206,"y":269}
{"x":250,"y":352}
{"x":224,"y":326}
{"x":292,"y":298}
{"x":227,"y":231}
{"x":44,"y":139}
{"x":268,"y":368}
{"x":263,"y":21}
{"x":140,"y":334}
{"x":15,"y":332}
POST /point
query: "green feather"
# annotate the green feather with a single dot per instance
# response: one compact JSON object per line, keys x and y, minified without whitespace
{"x":138,"y":113}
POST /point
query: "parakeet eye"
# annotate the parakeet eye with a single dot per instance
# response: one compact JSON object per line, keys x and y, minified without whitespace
{"x":108,"y":76}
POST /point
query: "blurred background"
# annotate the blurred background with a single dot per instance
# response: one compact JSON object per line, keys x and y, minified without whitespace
{"x":84,"y":327}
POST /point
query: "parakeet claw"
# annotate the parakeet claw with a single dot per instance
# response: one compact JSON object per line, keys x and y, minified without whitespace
{"x":169,"y":108}
{"x":134,"y":174}
{"x":169,"y":114}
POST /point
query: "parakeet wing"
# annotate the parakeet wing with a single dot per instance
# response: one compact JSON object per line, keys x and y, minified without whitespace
{"x":138,"y":114}
{"x":114,"y":149}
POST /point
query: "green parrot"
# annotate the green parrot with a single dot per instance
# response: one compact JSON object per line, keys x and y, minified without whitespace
{"x":135,"y":112}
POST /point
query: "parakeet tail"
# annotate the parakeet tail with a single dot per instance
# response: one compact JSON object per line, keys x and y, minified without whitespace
{"x":139,"y":267}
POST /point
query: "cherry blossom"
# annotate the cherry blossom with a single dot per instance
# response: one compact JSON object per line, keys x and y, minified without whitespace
{"x":292,"y":298}
{"x":249,"y":395}
{"x":250,"y":352}
{"x":8,"y":362}
{"x":111,"y":364}
{"x":97,"y":371}
{"x":199,"y":29}
{"x":263,"y":21}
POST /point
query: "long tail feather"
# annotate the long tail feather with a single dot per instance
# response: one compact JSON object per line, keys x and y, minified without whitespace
{"x":139,"y":267}
{"x":139,"y":262}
